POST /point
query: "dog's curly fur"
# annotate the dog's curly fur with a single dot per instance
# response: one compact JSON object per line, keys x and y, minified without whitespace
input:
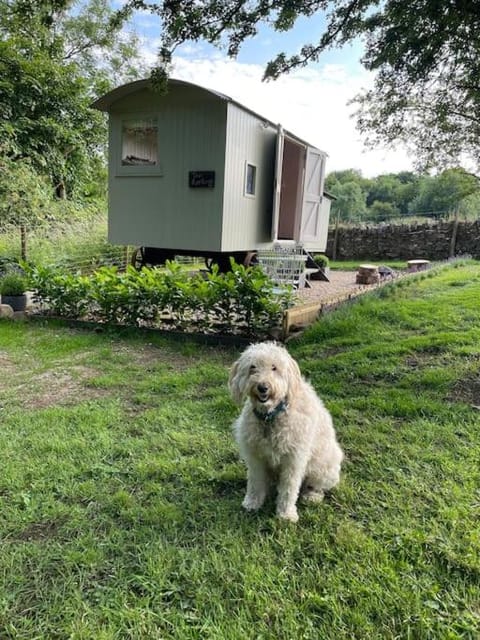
{"x":284,"y":432}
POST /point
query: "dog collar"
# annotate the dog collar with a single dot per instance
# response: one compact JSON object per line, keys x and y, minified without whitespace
{"x":270,"y":416}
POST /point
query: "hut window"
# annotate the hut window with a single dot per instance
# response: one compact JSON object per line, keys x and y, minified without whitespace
{"x":250,"y":179}
{"x":140,"y":142}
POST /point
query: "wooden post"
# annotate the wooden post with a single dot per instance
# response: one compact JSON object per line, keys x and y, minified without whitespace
{"x":453,"y":239}
{"x":335,"y":239}
{"x":23,"y":242}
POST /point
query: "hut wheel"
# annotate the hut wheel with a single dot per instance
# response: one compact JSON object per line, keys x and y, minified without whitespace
{"x":137,"y":260}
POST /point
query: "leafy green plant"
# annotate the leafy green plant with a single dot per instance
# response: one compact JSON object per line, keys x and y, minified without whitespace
{"x":258,"y":303}
{"x":111,"y":295}
{"x":63,"y":294}
{"x":13,"y":284}
{"x":243,"y":300}
{"x":321,"y":259}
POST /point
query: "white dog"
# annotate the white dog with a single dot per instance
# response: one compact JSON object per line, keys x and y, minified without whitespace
{"x":284,"y":432}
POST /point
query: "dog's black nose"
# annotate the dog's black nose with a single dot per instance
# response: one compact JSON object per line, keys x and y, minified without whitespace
{"x":262,"y":388}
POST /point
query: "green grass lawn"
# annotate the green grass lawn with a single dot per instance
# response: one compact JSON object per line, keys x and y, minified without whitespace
{"x":120,"y":484}
{"x":352,"y":265}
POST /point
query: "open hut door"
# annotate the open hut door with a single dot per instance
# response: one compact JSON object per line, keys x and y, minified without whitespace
{"x":277,"y":182}
{"x":312,"y":227}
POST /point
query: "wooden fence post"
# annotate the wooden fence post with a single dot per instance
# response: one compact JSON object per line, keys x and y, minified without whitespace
{"x":335,"y":239}
{"x":453,"y":239}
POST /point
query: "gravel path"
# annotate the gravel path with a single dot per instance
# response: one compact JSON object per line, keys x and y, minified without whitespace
{"x":342,"y":286}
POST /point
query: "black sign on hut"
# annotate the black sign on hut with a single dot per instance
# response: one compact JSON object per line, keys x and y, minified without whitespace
{"x":201,"y":179}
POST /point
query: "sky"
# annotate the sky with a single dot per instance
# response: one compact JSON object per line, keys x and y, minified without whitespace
{"x":312,"y":103}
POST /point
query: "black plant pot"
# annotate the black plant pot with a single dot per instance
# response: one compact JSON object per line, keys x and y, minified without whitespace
{"x":18,"y":303}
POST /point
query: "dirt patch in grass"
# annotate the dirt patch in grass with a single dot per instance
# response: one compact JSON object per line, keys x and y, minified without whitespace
{"x":54,"y":387}
{"x":63,"y":387}
{"x":7,"y":367}
{"x":39,"y":531}
{"x":150,"y":356}
{"x":468,"y":391}
{"x":72,"y":379}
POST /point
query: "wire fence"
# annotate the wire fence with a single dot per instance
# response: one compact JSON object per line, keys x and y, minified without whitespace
{"x":76,"y":247}
{"x":433,"y":217}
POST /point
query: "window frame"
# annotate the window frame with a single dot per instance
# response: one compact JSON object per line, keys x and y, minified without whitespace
{"x":136,"y":170}
{"x":247,"y":193}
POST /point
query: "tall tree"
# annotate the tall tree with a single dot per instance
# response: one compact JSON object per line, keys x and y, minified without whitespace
{"x":55,"y":57}
{"x":348,"y":187}
{"x":427,"y":90}
{"x":443,"y":194}
{"x":426,"y":55}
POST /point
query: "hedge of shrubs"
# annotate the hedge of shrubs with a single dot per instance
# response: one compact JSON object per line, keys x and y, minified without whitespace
{"x":243,"y":301}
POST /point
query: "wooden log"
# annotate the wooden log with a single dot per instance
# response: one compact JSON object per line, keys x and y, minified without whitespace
{"x":367,"y":274}
{"x":418,"y":265}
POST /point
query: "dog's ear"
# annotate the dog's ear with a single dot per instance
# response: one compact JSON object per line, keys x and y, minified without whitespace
{"x":234,"y":383}
{"x":294,"y":375}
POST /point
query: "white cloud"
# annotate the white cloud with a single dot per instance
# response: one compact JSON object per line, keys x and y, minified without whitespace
{"x":311,"y":103}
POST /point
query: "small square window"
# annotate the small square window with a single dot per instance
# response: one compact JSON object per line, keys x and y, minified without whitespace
{"x":140,"y":142}
{"x":250,"y":179}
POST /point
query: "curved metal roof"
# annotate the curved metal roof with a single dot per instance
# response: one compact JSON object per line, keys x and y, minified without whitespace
{"x":106,"y":101}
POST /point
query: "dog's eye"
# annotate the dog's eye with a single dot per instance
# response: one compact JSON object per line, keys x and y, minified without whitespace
{"x":274,"y":368}
{"x":253,"y":368}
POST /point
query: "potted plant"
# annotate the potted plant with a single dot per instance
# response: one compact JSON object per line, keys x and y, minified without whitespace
{"x":13,"y":286}
{"x":322,"y":262}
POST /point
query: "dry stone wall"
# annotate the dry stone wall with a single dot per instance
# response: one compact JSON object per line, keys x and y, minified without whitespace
{"x":432,"y":241}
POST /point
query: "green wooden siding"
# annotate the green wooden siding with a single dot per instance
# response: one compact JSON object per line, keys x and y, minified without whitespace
{"x":155,"y":206}
{"x":247,"y":219}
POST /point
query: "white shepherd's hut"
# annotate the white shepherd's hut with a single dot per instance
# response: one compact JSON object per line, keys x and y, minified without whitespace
{"x":193,"y":172}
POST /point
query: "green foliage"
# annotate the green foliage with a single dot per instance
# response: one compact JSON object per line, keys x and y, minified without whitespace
{"x":55,"y":57}
{"x":63,"y":293}
{"x":425,"y":91}
{"x":243,"y":301}
{"x":13,"y":284}
{"x":321,"y":259}
{"x":469,"y":207}
{"x":49,"y":120}
{"x":74,"y":237}
{"x":391,"y":196}
{"x":382,"y":211}
{"x":25,"y":196}
{"x":350,"y":200}
{"x":445,"y":192}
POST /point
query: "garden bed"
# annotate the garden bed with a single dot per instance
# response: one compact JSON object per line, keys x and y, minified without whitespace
{"x":240,"y":303}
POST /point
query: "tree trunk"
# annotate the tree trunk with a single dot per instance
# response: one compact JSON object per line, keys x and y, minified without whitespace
{"x":23,"y":242}
{"x":61,"y":191}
